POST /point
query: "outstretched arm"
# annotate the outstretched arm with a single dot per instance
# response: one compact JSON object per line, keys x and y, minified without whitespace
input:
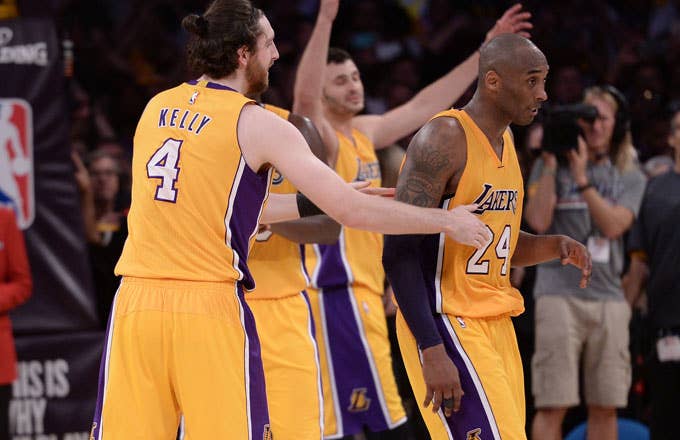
{"x":308,"y":89}
{"x":388,"y":128}
{"x":259,"y":129}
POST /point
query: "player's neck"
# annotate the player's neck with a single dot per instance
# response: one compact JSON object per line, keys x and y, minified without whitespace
{"x":233,"y":81}
{"x":488,"y":119}
{"x":340,"y":122}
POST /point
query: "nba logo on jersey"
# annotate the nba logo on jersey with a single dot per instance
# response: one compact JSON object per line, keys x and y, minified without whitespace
{"x":193,"y":97}
{"x":16,"y":159}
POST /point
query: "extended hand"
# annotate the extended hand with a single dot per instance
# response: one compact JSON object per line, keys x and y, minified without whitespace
{"x":467,"y":229}
{"x":441,"y":381}
{"x":513,"y":21}
{"x":574,"y":253}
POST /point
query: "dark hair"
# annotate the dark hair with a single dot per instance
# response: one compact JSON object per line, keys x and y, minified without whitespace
{"x":337,"y":56}
{"x":216,"y":36}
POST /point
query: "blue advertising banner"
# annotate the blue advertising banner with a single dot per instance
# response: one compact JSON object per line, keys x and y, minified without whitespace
{"x":36,"y":177}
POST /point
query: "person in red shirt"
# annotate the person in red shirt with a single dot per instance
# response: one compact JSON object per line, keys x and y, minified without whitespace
{"x":15,"y":288}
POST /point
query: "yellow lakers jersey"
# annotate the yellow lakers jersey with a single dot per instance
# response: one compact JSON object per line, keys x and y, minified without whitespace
{"x":276,"y":262}
{"x":281,"y":112}
{"x":464,"y":281}
{"x":196,"y":204}
{"x":356,"y":258}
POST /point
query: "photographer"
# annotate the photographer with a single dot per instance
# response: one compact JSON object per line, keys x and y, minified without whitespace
{"x":591,"y":192}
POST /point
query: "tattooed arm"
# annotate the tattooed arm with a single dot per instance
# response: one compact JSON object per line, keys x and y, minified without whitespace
{"x":435,"y":160}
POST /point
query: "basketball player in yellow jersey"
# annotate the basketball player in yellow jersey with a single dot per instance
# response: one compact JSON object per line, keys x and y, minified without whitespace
{"x":181,"y":339}
{"x":282,"y":311}
{"x":360,"y":389}
{"x":455,"y":301}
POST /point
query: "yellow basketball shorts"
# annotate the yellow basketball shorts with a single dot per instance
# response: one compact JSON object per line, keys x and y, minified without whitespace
{"x":490,"y":369}
{"x":356,"y":363}
{"x":180,"y":347}
{"x":291,"y":366}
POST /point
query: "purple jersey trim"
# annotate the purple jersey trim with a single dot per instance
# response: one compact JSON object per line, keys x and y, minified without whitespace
{"x":251,"y":189}
{"x":212,"y":85}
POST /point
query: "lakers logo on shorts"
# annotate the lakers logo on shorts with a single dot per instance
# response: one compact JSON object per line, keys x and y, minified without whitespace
{"x":474,"y":434}
{"x":358,"y":401}
{"x":267,"y":433}
{"x":277,"y":178}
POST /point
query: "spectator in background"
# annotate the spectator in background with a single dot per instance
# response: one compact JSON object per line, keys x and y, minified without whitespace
{"x":567,"y":85}
{"x":591,"y":193}
{"x":654,"y":244}
{"x":105,"y":222}
{"x":15,"y":288}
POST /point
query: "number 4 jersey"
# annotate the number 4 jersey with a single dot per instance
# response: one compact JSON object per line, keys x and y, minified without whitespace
{"x":195,"y":201}
{"x":464,"y":281}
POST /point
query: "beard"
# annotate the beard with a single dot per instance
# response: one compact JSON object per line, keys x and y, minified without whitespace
{"x":257,"y":77}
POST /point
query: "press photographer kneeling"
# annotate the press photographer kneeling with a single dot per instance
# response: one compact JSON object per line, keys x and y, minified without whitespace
{"x":588,"y":187}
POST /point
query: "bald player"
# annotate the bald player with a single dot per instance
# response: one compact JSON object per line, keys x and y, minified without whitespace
{"x":456,"y":301}
{"x":359,"y":386}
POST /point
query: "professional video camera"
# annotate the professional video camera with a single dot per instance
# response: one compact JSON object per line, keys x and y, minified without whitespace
{"x":560,"y":127}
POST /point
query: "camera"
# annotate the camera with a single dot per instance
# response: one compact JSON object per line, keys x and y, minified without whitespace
{"x":560,"y":127}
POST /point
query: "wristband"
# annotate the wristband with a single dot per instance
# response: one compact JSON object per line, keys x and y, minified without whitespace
{"x":306,"y":208}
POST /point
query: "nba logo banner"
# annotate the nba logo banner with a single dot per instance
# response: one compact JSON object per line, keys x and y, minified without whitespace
{"x":16,"y":159}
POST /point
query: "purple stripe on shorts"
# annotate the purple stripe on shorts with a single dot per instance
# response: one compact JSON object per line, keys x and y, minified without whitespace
{"x":259,"y":414}
{"x":251,"y":190}
{"x":472,"y":415}
{"x":101,"y":386}
{"x":357,"y":392}
{"x":332,"y":273}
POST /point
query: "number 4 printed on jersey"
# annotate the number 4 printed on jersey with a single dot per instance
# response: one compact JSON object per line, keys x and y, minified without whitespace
{"x":163,"y":165}
{"x":476,"y":265}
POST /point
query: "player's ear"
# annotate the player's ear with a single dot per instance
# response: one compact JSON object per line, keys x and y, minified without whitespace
{"x":243,"y":55}
{"x":492,"y":80}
